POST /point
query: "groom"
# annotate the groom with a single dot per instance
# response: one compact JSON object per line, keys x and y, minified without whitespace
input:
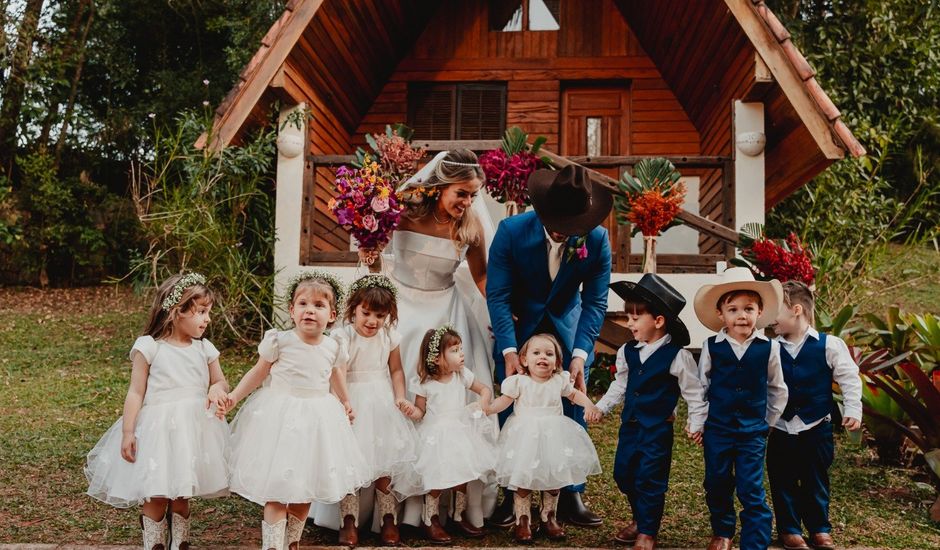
{"x":548,"y":271}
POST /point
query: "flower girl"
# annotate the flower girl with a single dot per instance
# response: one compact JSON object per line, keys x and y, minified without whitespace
{"x":167,"y":448}
{"x":291,"y":441}
{"x":540,"y":449}
{"x":376,"y":381}
{"x":453,"y":447}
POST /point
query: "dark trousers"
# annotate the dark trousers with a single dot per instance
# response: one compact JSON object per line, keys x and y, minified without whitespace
{"x":798,"y":470}
{"x":641,"y":470}
{"x":735,"y":461}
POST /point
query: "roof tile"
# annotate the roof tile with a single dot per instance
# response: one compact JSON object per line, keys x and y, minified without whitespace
{"x":855,"y":148}
{"x":776,"y":27}
{"x":802,"y":66}
{"x":828,"y":108}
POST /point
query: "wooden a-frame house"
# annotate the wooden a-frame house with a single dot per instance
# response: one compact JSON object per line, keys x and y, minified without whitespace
{"x":717,"y":86}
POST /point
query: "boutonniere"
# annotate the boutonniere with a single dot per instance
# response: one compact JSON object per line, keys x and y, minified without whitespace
{"x":577,"y":249}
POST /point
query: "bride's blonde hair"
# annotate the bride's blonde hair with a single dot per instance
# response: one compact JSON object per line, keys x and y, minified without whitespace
{"x":457,"y":166}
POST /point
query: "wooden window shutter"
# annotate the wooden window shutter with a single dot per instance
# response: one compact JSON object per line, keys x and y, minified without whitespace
{"x":482,"y":111}
{"x":432,"y":111}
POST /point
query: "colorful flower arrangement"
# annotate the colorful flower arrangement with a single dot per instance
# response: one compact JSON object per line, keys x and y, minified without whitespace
{"x":782,"y":259}
{"x":365,"y":203}
{"x":507,"y":169}
{"x":397,"y":159}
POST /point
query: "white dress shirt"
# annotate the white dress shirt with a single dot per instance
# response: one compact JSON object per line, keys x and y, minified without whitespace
{"x":844,"y":372}
{"x":683,"y":368}
{"x":776,"y":387}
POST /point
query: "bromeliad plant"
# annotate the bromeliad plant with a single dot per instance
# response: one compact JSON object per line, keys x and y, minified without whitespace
{"x":650,"y":199}
{"x":782,"y":259}
{"x":508,"y":168}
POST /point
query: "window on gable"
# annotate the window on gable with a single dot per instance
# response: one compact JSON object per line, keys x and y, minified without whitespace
{"x":457,"y":111}
{"x":525,"y":15}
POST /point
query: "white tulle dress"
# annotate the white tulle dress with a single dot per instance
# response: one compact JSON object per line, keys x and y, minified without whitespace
{"x":386,"y":437}
{"x":181,"y":446}
{"x":456,"y":441}
{"x":291,"y":440}
{"x":539,"y":447}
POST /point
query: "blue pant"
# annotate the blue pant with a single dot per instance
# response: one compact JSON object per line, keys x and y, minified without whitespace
{"x":798,"y":470}
{"x":572,"y":411}
{"x":641,"y":470}
{"x":735,"y":460}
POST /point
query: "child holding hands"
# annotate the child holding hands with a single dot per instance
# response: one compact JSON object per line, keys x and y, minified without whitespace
{"x":541,"y":449}
{"x":167,"y":448}
{"x":743,"y":379}
{"x":800,"y":447}
{"x":292,"y":442}
{"x":653,"y":369}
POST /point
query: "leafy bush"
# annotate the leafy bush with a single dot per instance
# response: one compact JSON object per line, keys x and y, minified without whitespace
{"x":210,"y":212}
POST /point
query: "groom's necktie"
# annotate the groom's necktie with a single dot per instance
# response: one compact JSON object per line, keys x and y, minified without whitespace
{"x":555,"y":252}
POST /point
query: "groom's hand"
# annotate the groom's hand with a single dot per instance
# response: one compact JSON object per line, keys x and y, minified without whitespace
{"x":576,"y":371}
{"x":512,"y":363}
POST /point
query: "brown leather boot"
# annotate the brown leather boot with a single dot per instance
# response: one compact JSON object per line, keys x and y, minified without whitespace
{"x":549,"y":516}
{"x":822,"y":541}
{"x":522,"y":507}
{"x":460,"y":517}
{"x":719,"y":543}
{"x":792,"y":541}
{"x":431,"y":521}
{"x":348,"y":534}
{"x":644,"y":542}
{"x":389,"y":534}
{"x":628,"y":534}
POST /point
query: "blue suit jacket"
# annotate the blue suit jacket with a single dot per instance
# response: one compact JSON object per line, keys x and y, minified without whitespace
{"x":517,"y":283}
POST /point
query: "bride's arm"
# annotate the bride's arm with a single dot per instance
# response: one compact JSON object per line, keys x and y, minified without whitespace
{"x":476,"y":260}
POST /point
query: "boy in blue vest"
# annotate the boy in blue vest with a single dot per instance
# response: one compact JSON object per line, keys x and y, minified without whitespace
{"x":652,"y":370}
{"x":743,"y":379}
{"x":800,"y":447}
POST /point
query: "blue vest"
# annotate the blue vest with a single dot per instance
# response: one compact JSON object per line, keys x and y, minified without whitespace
{"x":809,"y":381}
{"x":737,"y":393}
{"x":652,"y":391}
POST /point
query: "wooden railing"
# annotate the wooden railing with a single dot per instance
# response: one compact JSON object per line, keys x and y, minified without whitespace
{"x":624,"y":260}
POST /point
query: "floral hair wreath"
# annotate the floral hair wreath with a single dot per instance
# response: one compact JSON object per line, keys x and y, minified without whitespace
{"x":434,"y":346}
{"x":372,"y":281}
{"x":176,"y":293}
{"x":316,"y":275}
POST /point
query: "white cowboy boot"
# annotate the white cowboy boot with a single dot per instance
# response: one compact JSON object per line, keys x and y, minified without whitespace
{"x":154,"y":533}
{"x":179,"y":533}
{"x":522,"y":507}
{"x":272,"y":534}
{"x":431,"y":521}
{"x":550,"y":524}
{"x":349,"y":520}
{"x":295,"y":529}
{"x":388,"y":514}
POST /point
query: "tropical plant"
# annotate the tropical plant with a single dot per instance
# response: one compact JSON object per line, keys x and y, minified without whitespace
{"x":890,"y":332}
{"x":927,"y":329}
{"x":837,"y":325}
{"x":881,"y":413}
{"x":781,"y":259}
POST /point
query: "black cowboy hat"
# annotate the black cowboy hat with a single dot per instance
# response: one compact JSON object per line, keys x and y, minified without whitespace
{"x":567,"y":202}
{"x":662,"y":298}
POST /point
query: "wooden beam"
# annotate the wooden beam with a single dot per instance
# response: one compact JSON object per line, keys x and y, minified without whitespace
{"x":630,"y":160}
{"x":762,"y":83}
{"x":786,"y":75}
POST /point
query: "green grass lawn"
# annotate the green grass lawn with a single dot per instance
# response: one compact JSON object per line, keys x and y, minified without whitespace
{"x":64,"y":373}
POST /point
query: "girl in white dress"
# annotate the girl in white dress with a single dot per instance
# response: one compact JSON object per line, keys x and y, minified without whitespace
{"x":291,"y":441}
{"x":376,"y":382}
{"x":455,"y":442}
{"x":540,"y":449}
{"x":168,"y":447}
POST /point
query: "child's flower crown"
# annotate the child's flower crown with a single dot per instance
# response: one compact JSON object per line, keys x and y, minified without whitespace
{"x":372,"y":281}
{"x":176,"y":293}
{"x":316,"y":275}
{"x":434,"y":346}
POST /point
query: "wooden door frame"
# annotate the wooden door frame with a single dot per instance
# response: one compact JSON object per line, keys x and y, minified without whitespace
{"x":624,"y":85}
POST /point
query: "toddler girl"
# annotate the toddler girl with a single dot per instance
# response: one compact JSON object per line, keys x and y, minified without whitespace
{"x":376,"y":381}
{"x":540,"y":449}
{"x":452,"y":446}
{"x":167,"y":448}
{"x":292,"y":442}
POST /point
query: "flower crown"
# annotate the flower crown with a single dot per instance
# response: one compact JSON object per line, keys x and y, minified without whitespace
{"x":373,"y":281}
{"x":176,"y":293}
{"x":434,"y":346}
{"x":316,"y":275}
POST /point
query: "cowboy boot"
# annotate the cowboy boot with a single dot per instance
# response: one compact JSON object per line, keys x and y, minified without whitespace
{"x":719,"y":543}
{"x":388,"y":513}
{"x":349,"y":517}
{"x":822,"y":541}
{"x":431,"y":521}
{"x":295,"y":530}
{"x":272,"y":534}
{"x":154,"y":533}
{"x":179,"y":532}
{"x":522,"y":508}
{"x":553,"y":529}
{"x":644,"y":542}
{"x":465,"y":526}
{"x":628,"y":534}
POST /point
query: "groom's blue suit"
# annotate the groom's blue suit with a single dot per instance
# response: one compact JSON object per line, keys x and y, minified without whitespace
{"x":572,"y":307}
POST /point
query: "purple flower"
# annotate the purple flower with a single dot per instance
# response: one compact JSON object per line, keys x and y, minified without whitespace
{"x":344,"y":216}
{"x":379,"y":204}
{"x":369,"y":223}
{"x":582,"y":252}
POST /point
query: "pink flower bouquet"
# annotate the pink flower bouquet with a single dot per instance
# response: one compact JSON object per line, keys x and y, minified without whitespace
{"x":507,"y":169}
{"x":365,"y":204}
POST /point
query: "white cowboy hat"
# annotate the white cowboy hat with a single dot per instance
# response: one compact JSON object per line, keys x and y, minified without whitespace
{"x":738,"y":278}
